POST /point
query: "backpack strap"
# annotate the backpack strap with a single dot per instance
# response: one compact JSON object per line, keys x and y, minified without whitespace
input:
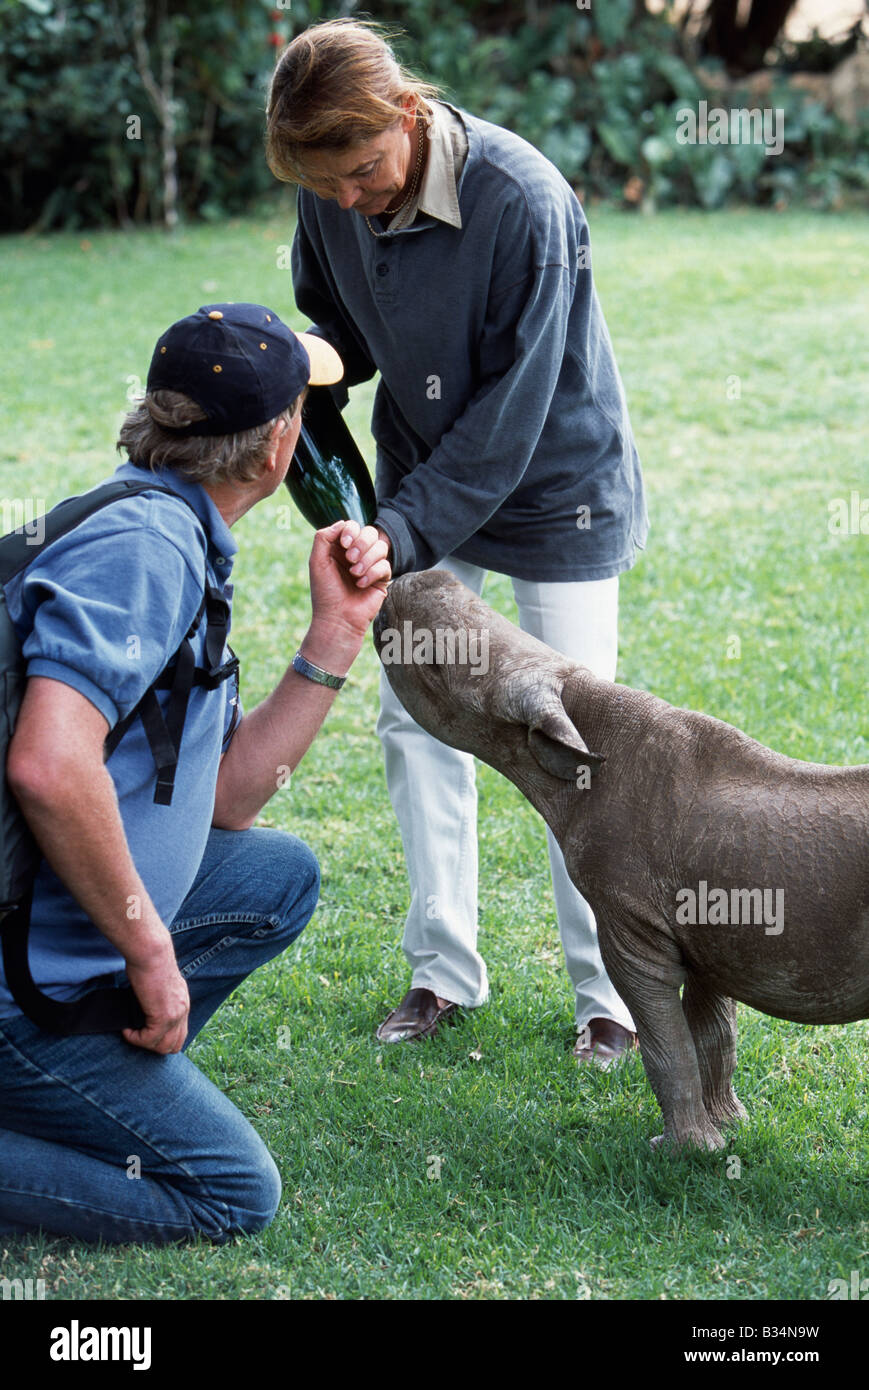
{"x":164,"y":729}
{"x":108,"y":1010}
{"x":105,"y":1010}
{"x":20,"y":547}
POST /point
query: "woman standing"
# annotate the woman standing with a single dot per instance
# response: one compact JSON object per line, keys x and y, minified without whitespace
{"x":452,"y":257}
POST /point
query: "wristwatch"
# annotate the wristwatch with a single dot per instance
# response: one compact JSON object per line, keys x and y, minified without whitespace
{"x":316,"y":673}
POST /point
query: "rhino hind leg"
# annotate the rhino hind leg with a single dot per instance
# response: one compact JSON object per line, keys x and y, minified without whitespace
{"x":711,"y":1018}
{"x":650,"y":988}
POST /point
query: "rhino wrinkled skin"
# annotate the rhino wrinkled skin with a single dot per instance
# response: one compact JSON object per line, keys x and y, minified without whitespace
{"x":652,"y":804}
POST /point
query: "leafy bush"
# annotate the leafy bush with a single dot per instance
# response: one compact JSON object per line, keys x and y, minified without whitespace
{"x":598,"y":90}
{"x":81,"y":139}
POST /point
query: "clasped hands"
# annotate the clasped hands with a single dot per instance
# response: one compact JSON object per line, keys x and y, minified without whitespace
{"x":349,"y":570}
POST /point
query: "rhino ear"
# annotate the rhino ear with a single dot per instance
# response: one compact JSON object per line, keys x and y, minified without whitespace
{"x":558,"y":748}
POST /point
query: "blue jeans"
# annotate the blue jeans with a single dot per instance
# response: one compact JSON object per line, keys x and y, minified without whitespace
{"x":100,"y":1140}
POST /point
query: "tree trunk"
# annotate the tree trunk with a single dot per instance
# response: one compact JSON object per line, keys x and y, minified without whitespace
{"x":161,"y":96}
{"x":170,"y":155}
{"x":742,"y":46}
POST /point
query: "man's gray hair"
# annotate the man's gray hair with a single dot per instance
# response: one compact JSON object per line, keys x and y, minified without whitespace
{"x":147,"y":436}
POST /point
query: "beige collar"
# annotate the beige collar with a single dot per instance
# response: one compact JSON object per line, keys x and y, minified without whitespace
{"x":438,"y":194}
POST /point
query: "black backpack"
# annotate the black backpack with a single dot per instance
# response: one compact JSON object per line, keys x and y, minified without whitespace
{"x":102,"y":1010}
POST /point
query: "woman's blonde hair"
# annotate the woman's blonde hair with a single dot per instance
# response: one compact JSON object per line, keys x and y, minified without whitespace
{"x":336,"y":85}
{"x":148,"y":436}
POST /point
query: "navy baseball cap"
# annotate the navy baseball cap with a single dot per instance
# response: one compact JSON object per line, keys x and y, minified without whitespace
{"x":240,"y":364}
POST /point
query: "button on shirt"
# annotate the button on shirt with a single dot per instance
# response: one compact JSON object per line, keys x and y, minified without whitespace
{"x":103,"y":610}
{"x":500,"y":419}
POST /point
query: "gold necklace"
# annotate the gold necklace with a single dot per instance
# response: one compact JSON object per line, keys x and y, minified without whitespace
{"x":420,"y":128}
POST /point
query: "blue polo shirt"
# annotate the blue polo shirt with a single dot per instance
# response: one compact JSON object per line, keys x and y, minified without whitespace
{"x":103,"y":610}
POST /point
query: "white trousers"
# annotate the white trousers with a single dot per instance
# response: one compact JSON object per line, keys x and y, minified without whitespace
{"x":433,"y":793}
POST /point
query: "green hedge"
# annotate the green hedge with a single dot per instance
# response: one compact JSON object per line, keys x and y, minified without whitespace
{"x":598,"y":91}
{"x":71,"y":150}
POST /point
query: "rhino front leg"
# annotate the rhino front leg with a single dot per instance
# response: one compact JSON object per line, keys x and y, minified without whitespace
{"x":712,"y":1020}
{"x":650,"y":988}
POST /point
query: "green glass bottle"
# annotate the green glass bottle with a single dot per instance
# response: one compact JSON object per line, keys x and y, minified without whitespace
{"x":328,"y":478}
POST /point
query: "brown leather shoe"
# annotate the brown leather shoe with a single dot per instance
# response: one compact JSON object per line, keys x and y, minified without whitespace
{"x":607,"y":1042}
{"x":417,"y":1016}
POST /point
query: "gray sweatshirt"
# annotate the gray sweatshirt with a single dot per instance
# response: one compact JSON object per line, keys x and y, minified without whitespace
{"x":500,"y":419}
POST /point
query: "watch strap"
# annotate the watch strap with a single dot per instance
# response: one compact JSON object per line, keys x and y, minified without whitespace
{"x":316,"y":673}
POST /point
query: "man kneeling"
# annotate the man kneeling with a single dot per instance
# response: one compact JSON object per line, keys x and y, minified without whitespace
{"x":170,"y":892}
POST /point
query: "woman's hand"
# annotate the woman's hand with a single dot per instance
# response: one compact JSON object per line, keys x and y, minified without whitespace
{"x":349,"y":573}
{"x":367,"y":553}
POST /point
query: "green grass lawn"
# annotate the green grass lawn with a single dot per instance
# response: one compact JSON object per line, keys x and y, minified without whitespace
{"x":741,"y":339}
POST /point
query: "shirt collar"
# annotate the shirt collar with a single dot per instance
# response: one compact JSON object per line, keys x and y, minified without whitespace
{"x":221,"y":542}
{"x":438,"y":195}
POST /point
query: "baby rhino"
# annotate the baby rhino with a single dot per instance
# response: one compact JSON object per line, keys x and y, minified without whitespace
{"x":713,"y":865}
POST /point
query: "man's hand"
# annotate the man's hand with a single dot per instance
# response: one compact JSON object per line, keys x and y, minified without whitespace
{"x":162,"y":993}
{"x":349,"y":573}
